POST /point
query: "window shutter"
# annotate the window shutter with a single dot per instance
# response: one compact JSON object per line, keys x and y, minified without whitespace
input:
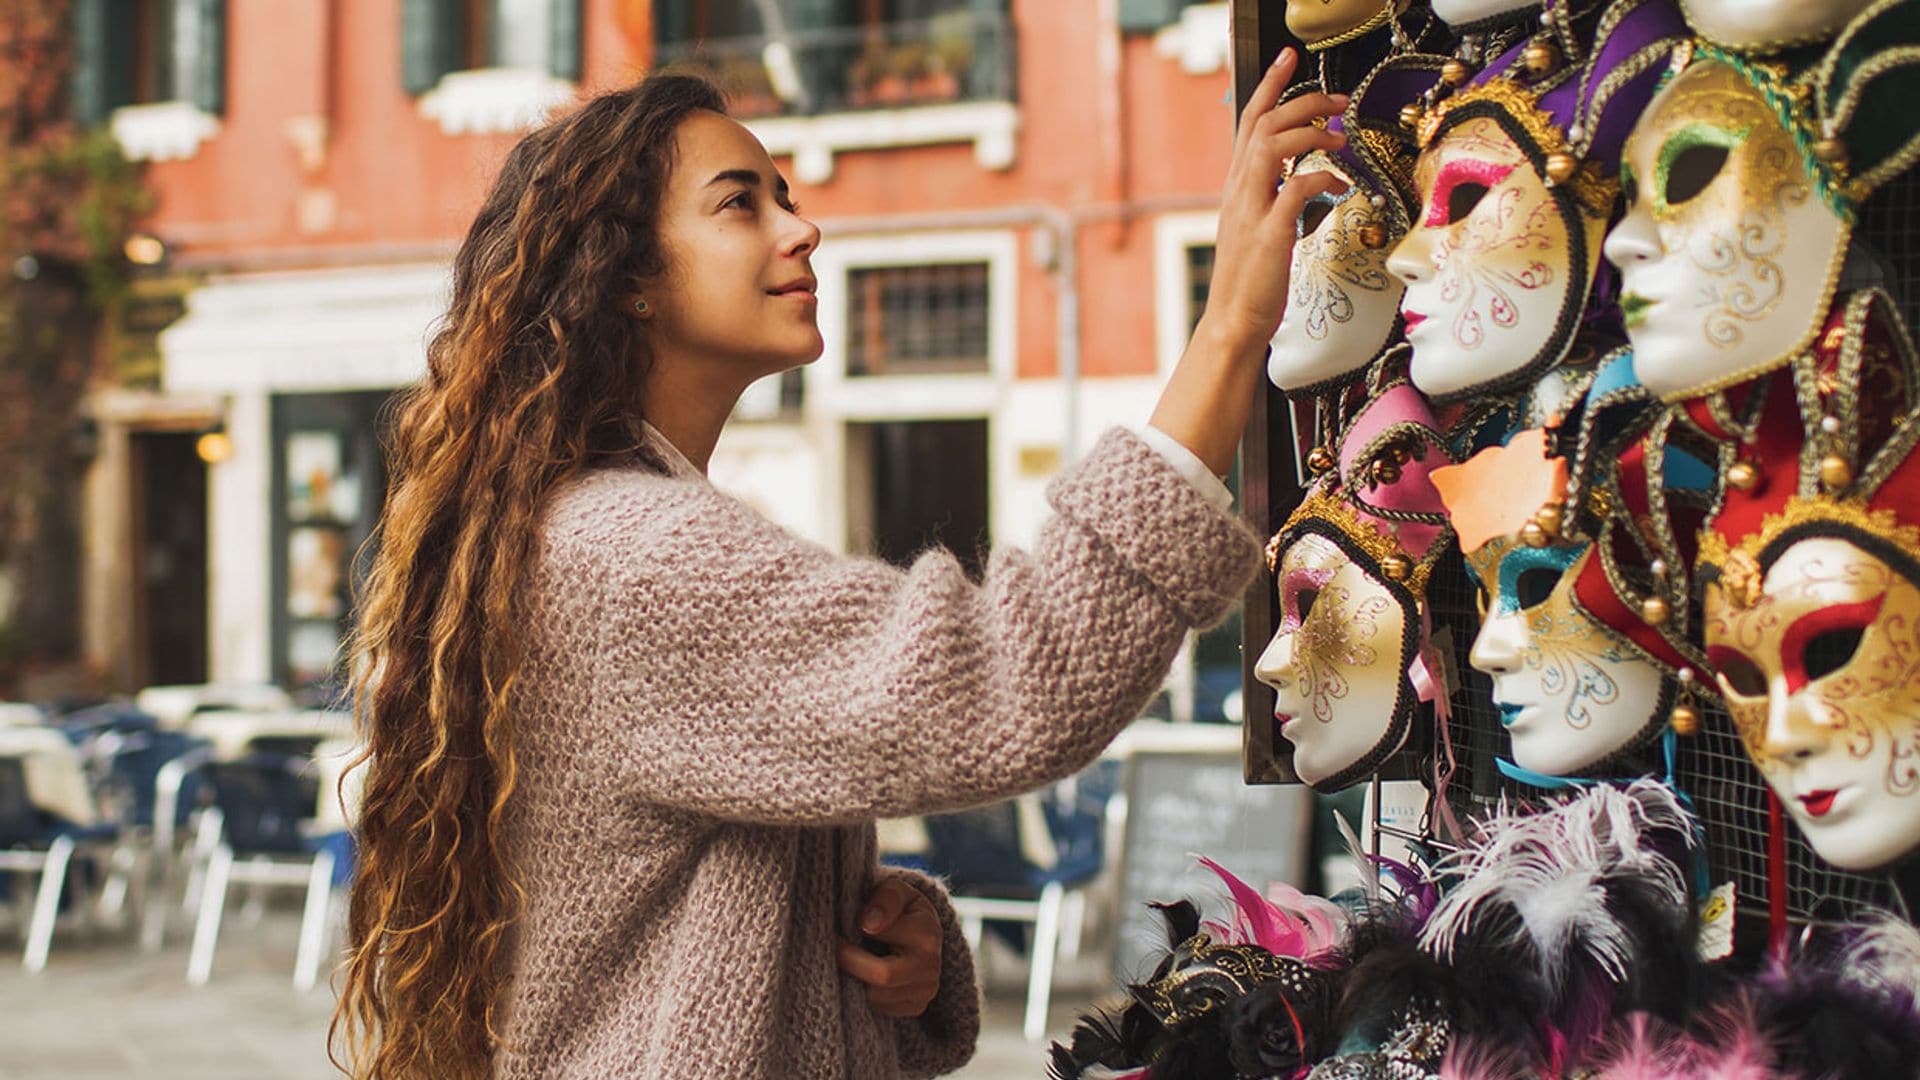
{"x":563,"y":28}
{"x":1149,"y":14}
{"x":102,"y":58}
{"x":429,"y":42}
{"x":200,"y":53}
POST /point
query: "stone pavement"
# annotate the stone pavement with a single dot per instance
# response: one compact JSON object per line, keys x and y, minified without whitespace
{"x":102,"y":1010}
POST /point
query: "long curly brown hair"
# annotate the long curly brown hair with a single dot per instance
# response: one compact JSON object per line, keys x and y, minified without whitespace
{"x":536,"y":374}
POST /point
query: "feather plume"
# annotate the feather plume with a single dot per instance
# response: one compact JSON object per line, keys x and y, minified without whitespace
{"x":1540,"y":884}
{"x":1305,"y":928}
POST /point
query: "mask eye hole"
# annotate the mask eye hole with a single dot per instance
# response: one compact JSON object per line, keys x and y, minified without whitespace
{"x":1739,"y":675}
{"x":1534,"y":585}
{"x":1629,"y":187}
{"x":1480,"y":600}
{"x":1831,"y":650}
{"x":1463,"y":198}
{"x":1313,"y":215}
{"x":1691,"y":170}
{"x":1304,"y":600}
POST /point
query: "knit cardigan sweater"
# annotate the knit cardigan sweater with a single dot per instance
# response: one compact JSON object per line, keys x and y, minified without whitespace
{"x":713,"y":713}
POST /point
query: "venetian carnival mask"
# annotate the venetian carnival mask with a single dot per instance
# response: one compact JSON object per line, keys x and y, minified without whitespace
{"x":1347,"y":661}
{"x":1570,"y":693}
{"x":1322,"y":24}
{"x":1343,"y":305}
{"x":1766,"y":25}
{"x":1512,"y":208}
{"x":1458,"y":13}
{"x":1727,"y":253}
{"x":1811,"y":572}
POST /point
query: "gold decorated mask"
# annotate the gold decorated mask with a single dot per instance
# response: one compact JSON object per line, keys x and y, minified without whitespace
{"x":1342,"y":301}
{"x":1570,"y":695}
{"x":1492,"y":289}
{"x":1766,"y":25}
{"x":1337,"y":663}
{"x":1322,"y":24}
{"x":1730,"y":248}
{"x":1817,"y":652}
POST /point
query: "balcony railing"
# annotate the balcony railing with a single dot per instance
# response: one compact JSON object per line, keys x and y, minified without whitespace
{"x":955,"y":57}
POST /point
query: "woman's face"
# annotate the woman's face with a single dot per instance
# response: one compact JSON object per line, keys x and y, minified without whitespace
{"x":1726,"y":252}
{"x":1569,"y":695}
{"x":1335,"y":663}
{"x":1487,"y":264}
{"x":1819,"y":661}
{"x":1343,"y":302}
{"x":1758,"y":24}
{"x":739,"y":291}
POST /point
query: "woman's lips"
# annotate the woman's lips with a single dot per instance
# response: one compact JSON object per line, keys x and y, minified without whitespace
{"x":1817,"y":803}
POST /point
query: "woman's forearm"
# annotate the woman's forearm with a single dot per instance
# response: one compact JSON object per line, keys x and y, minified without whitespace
{"x":1210,"y":393}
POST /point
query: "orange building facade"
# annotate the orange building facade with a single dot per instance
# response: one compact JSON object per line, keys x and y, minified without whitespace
{"x":1017,"y":198}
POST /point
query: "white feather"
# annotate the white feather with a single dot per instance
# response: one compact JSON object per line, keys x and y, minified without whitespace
{"x":1551,"y":869}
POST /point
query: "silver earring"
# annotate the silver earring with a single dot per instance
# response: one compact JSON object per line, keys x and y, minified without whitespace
{"x":641,"y":307}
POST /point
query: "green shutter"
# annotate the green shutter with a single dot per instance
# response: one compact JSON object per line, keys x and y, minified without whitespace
{"x":429,"y":42}
{"x":564,"y":36}
{"x":103,"y":58}
{"x":200,"y":53}
{"x":1149,"y":14}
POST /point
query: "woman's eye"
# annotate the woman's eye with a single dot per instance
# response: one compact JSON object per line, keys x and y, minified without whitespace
{"x":1311,"y":217}
{"x":1534,"y":585}
{"x":1692,"y":170}
{"x":742,"y":201}
{"x":1739,"y":675}
{"x":1463,"y":198}
{"x":1831,"y":650}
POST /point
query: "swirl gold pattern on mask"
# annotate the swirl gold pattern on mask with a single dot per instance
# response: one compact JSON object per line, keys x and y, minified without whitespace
{"x":1333,"y":259}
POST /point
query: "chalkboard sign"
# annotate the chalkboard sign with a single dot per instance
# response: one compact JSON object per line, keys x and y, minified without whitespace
{"x":1186,"y":801}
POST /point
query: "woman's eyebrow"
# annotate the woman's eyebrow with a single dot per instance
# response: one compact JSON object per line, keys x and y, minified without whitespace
{"x":751,"y":178}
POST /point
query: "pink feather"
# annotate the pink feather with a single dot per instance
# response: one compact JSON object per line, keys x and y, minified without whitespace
{"x":1310,"y":930}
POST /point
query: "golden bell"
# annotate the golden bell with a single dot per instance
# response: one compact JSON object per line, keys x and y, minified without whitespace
{"x":1410,"y":115}
{"x":1373,"y":237}
{"x":1386,"y":472}
{"x":1540,"y":57}
{"x":1684,"y":720}
{"x":1320,"y":459}
{"x":1830,"y":151}
{"x":1835,"y":472}
{"x":1742,"y":476}
{"x":1549,"y":519}
{"x":1456,"y":72}
{"x":1654,"y":611}
{"x":1397,"y":567}
{"x":1561,"y":166}
{"x":1532,"y":535}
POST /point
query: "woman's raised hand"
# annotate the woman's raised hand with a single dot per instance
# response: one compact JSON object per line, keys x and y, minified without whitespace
{"x":1205,"y":404}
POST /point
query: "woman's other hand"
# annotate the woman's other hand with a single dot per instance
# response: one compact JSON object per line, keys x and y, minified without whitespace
{"x":901,"y":984}
{"x":1210,"y":393}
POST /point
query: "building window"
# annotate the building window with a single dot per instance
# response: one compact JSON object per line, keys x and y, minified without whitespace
{"x":918,"y":320}
{"x":148,"y":52}
{"x":1152,"y":14}
{"x":442,"y":37}
{"x":1199,"y":274}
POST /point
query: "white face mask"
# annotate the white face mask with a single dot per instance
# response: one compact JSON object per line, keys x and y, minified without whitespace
{"x":1569,"y":695}
{"x":1821,"y":674}
{"x":1727,"y":252}
{"x":1768,"y":24}
{"x":1342,"y":302}
{"x":1462,"y":12}
{"x":1336,"y":664}
{"x":1488,"y":263}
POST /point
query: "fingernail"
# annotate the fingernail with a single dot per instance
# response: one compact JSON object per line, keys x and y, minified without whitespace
{"x":870,"y":920}
{"x":1285,"y":55}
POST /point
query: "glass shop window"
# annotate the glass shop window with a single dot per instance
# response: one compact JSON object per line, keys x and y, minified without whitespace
{"x":918,"y":320}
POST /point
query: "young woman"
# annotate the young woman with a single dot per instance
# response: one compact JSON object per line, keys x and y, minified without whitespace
{"x":627,"y":739}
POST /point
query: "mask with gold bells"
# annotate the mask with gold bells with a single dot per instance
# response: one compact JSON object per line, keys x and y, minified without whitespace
{"x":1570,"y":694}
{"x":1349,"y":659}
{"x":1810,"y":576}
{"x":1742,"y":185}
{"x":1516,"y":190}
{"x":1343,"y":307}
{"x":1323,"y":24}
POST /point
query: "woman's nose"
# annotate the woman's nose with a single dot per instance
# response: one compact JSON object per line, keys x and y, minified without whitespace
{"x":1633,"y":240}
{"x":802,"y":237}
{"x":1411,"y":260}
{"x":1496,"y":648}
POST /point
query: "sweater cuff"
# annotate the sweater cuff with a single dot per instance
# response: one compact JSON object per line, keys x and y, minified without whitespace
{"x":1187,"y":464}
{"x":1200,"y":556}
{"x":942,"y":1039}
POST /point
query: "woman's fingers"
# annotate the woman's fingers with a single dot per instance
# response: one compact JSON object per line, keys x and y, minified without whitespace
{"x":1295,"y":193}
{"x":1301,"y":112}
{"x":1272,"y":85}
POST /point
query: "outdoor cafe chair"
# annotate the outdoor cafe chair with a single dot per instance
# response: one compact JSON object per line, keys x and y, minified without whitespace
{"x":47,"y":815}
